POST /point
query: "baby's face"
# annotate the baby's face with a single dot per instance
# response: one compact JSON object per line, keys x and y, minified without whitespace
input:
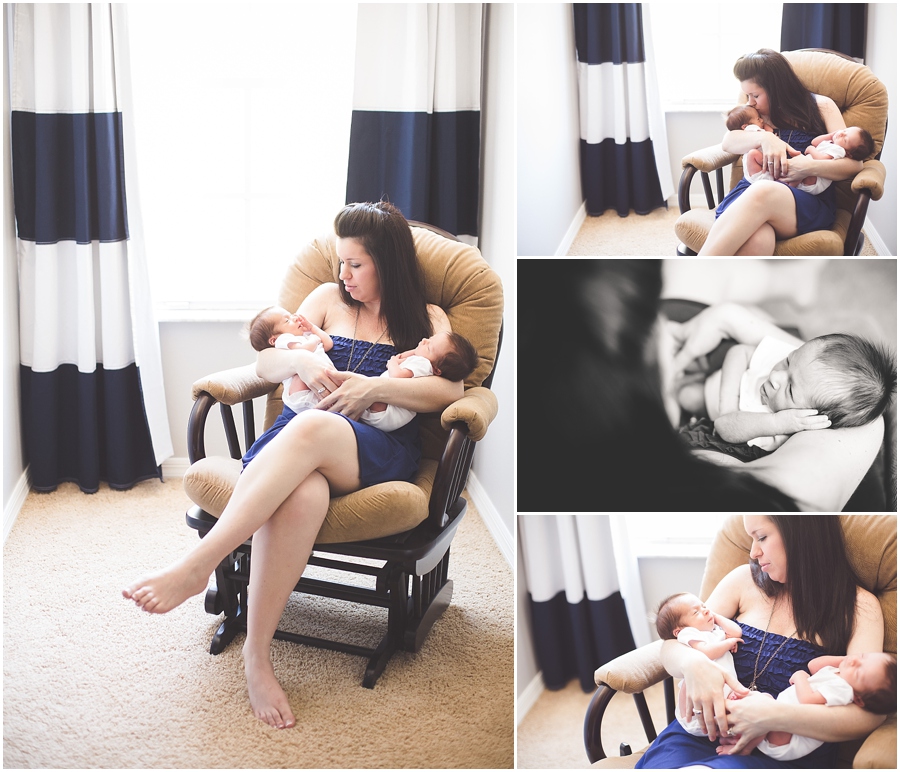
{"x":847,"y":138}
{"x":435,"y":348}
{"x":757,"y":119}
{"x":285,"y":322}
{"x":792,"y":381}
{"x":864,"y":672}
{"x":695,"y":614}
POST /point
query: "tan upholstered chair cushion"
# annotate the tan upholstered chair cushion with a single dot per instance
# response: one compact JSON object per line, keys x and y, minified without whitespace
{"x":458,"y":280}
{"x":862,"y":100}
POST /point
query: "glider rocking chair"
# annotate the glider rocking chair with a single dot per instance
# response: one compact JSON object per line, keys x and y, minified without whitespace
{"x":398,"y":533}
{"x":863,"y":101}
{"x":871,"y":542}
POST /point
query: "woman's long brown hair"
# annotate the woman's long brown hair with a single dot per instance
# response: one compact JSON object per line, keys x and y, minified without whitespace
{"x":821,"y":583}
{"x":384,"y":234}
{"x":791,"y":105}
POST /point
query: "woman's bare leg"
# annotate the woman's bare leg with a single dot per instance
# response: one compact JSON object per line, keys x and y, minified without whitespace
{"x":281,"y":548}
{"x":762,"y":203}
{"x":760,"y":243}
{"x":314,"y":440}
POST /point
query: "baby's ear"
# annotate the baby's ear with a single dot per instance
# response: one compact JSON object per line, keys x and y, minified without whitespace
{"x":676,"y":631}
{"x":435,"y":370}
{"x":857,"y":700}
{"x":272,"y":340}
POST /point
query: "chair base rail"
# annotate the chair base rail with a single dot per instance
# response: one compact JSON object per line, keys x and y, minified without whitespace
{"x":414,"y":601}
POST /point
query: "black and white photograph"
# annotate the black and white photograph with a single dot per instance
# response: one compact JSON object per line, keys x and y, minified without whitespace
{"x":708,"y":385}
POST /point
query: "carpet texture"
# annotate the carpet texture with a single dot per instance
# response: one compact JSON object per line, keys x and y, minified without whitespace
{"x":92,"y":682}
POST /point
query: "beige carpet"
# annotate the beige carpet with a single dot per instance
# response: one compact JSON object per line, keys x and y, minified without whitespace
{"x":551,"y":734}
{"x":91,"y":682}
{"x":647,"y":235}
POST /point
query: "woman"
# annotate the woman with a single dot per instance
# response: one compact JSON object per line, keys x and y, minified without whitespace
{"x":796,"y":600}
{"x":282,"y":497}
{"x":818,"y":470}
{"x":752,"y":216}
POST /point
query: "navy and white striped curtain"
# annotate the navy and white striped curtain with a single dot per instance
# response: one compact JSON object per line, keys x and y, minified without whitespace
{"x":836,"y":26}
{"x":415,"y":136}
{"x":579,"y":620}
{"x":93,"y":406}
{"x":624,"y":150}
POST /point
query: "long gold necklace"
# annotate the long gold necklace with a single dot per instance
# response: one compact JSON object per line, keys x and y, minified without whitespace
{"x":353,"y":344}
{"x":762,"y":643}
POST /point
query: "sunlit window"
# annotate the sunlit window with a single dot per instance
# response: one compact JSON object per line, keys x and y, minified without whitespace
{"x":697,"y":44}
{"x":242,"y":121}
{"x":675,"y":535}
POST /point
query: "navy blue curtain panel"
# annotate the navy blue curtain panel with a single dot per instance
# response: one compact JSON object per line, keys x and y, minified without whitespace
{"x":620,"y":117}
{"x":836,"y":26}
{"x":92,"y":401}
{"x":578,"y":617}
{"x":415,"y":136}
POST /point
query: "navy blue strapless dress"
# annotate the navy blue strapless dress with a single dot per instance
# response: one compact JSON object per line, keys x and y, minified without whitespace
{"x":814,"y":213}
{"x":675,"y":748}
{"x":383,"y":456}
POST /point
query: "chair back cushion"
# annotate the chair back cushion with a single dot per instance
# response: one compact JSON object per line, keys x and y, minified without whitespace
{"x":457,"y":278}
{"x":871,"y":547}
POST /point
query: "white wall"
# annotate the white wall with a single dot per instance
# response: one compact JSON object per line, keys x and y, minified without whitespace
{"x":881,"y":57}
{"x":13,"y":463}
{"x":549,"y":181}
{"x":494,"y":458}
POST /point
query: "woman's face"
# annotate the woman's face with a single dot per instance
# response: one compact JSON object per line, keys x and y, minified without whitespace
{"x":756,"y":97}
{"x":768,"y":547}
{"x":358,"y":272}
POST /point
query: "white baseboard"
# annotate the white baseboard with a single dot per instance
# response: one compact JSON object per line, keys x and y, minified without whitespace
{"x":491,"y":517}
{"x":881,"y":249}
{"x":528,"y":697}
{"x":580,"y":215}
{"x":16,"y":500}
{"x":174,"y":469}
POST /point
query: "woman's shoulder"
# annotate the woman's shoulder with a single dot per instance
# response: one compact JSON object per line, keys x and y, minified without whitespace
{"x":829,"y":110}
{"x":439,"y":320}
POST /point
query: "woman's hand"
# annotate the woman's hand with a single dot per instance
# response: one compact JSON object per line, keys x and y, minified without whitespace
{"x":351,"y":397}
{"x":773,"y":149}
{"x":796,"y":169}
{"x":750,"y":719}
{"x":696,"y":337}
{"x":704,"y":683}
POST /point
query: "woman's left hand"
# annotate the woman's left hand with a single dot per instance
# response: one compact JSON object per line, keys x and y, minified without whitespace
{"x":749,"y":719}
{"x":351,"y":398}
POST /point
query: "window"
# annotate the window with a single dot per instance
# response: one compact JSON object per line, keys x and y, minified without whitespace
{"x":697,"y":44}
{"x":672,"y":535}
{"x":242,"y":122}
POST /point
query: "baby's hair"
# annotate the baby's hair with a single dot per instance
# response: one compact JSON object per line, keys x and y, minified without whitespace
{"x":862,"y":379}
{"x":884,"y":699}
{"x":460,"y":361}
{"x":738,"y":116}
{"x":865,"y":148}
{"x":668,"y":616}
{"x":262,"y":328}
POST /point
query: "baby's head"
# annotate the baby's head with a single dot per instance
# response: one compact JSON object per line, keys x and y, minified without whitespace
{"x":741,"y":116}
{"x":451,"y":355}
{"x":845,"y":377}
{"x":873,"y":677}
{"x":682,"y":610}
{"x":856,"y":141}
{"x":271,"y":322}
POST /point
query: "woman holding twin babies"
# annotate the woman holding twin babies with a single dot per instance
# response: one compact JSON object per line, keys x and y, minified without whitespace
{"x":751,"y":217}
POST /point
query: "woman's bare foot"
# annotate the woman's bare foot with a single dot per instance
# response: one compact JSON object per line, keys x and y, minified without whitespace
{"x":267,"y":698}
{"x":163,"y":591}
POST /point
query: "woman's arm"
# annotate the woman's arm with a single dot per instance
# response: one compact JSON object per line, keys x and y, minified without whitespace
{"x":819,"y":470}
{"x":836,"y":169}
{"x":733,"y":368}
{"x":774,"y":149}
{"x":751,"y":719}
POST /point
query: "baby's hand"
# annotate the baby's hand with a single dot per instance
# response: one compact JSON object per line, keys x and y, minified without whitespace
{"x":800,"y":675}
{"x":795,"y":420}
{"x":734,"y":644}
{"x":304,"y":323}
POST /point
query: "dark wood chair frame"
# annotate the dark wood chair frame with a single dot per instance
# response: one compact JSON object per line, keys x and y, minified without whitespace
{"x":597,"y":708}
{"x":412,"y":583}
{"x":853,"y":243}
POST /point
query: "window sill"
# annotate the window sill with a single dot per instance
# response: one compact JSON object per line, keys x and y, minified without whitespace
{"x":688,"y":550}
{"x":720,"y":107}
{"x":241,"y":314}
